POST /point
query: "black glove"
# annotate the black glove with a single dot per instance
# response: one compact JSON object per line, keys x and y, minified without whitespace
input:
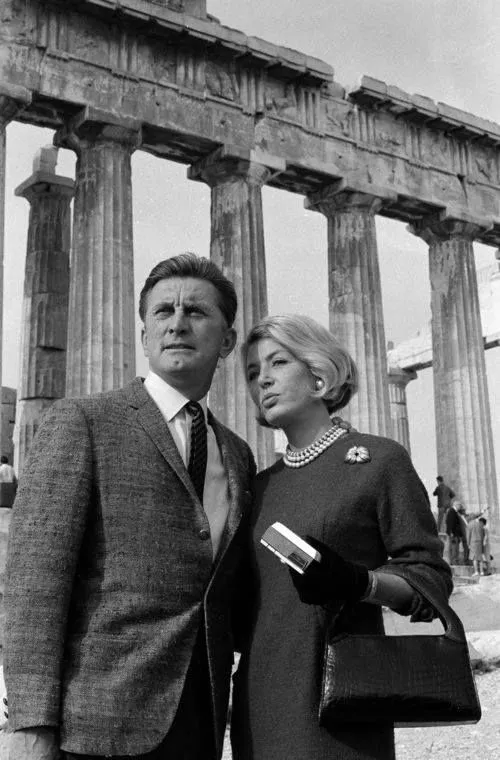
{"x":331,"y":579}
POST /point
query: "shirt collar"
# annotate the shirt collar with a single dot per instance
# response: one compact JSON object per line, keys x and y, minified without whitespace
{"x":169,"y":399}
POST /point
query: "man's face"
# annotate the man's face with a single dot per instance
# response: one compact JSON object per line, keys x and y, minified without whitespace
{"x":185,"y":333}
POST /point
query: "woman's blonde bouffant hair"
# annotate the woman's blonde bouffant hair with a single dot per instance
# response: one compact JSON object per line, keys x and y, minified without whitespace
{"x":317,"y":348}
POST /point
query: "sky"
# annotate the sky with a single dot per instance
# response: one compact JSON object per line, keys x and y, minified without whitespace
{"x":444,"y":49}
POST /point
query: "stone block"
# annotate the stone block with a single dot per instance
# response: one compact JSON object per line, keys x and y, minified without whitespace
{"x":424,"y":105}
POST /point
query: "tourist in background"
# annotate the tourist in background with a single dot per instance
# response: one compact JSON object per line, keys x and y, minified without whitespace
{"x":444,"y":496}
{"x":124,"y":549}
{"x":464,"y":525}
{"x":8,"y":483}
{"x":476,"y":536}
{"x":365,"y":510}
{"x":487,"y":556}
{"x":454,"y":532}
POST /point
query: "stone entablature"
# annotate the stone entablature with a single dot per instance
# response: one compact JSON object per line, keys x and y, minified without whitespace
{"x":195,"y":85}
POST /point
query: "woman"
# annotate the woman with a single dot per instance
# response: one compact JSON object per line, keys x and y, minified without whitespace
{"x":476,"y":536}
{"x":359,"y":500}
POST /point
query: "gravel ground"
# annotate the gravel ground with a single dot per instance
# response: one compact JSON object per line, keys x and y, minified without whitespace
{"x":452,"y":742}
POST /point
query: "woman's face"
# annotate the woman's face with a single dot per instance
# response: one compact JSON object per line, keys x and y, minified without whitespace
{"x":280,"y":385}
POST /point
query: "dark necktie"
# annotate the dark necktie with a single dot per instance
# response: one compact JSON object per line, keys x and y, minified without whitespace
{"x":198,"y":456}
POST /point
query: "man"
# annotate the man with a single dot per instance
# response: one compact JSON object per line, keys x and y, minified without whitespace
{"x":123,"y":556}
{"x":8,"y":483}
{"x":464,"y":524}
{"x":454,"y":532}
{"x":444,"y":496}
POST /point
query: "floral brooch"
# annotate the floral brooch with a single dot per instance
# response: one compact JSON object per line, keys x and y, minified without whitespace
{"x":357,"y":454}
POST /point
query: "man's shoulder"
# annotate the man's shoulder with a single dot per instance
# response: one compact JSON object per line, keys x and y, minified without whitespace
{"x":105,"y":403}
{"x":102,"y":399}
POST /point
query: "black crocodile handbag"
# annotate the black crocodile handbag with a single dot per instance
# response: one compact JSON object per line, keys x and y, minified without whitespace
{"x":401,"y":680}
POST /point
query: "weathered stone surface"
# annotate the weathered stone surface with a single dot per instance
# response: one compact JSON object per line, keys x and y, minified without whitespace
{"x":42,"y":373}
{"x":355,"y":293}
{"x":462,"y":411}
{"x":398,"y":380}
{"x":12,"y":100}
{"x":101,"y":328}
{"x":191,"y":97}
{"x":237,"y":247}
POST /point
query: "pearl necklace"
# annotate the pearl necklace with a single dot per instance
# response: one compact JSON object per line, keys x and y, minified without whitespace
{"x":301,"y":457}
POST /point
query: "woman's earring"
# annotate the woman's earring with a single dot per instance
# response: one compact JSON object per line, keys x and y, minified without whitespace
{"x":320,"y":384}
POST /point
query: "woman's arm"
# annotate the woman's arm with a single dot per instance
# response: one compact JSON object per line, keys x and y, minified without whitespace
{"x":408,"y":530}
{"x":388,"y":590}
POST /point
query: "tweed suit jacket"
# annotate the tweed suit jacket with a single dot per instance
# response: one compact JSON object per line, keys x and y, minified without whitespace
{"x":109,"y":572}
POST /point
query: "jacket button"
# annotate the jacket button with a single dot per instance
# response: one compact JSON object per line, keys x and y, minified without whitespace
{"x":204,"y":534}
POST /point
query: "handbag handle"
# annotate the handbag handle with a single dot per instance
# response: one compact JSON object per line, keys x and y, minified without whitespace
{"x":453,"y":627}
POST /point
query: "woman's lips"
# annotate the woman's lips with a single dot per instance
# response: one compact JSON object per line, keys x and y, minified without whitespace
{"x":269,"y":401}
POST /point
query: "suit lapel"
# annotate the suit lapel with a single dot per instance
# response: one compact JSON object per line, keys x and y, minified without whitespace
{"x":236,"y":477}
{"x":155,"y":426}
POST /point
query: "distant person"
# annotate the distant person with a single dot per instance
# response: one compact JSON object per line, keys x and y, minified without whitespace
{"x":464,"y":525}
{"x":487,"y":556}
{"x":444,"y":496}
{"x":8,"y":483}
{"x":476,"y":536}
{"x":453,"y":526}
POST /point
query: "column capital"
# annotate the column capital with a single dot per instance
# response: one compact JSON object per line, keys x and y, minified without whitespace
{"x":400,"y":377}
{"x":12,"y":100}
{"x":231,"y":163}
{"x":443,"y":226}
{"x":91,"y":125}
{"x":44,"y":178}
{"x":340,"y":196}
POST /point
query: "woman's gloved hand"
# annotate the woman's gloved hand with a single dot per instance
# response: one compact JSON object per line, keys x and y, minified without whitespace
{"x":331,"y":579}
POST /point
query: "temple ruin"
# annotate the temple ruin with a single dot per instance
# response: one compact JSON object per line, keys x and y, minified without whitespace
{"x":165,"y":77}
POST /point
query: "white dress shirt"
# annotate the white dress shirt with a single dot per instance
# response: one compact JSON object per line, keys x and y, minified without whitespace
{"x":171,"y":404}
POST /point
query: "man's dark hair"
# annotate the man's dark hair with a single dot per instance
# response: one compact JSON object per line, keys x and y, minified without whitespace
{"x":482,"y":520}
{"x":190,"y":265}
{"x":4,"y":459}
{"x":440,"y":478}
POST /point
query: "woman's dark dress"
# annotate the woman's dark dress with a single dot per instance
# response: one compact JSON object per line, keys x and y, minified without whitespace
{"x":367,"y":512}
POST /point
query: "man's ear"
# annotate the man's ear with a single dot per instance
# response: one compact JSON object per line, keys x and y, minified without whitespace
{"x":144,"y":341}
{"x":228,"y":342}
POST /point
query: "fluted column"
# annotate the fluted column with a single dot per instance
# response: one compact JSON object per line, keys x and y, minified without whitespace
{"x":45,"y":304}
{"x":237,"y":247}
{"x":398,"y":380}
{"x":101,"y":329}
{"x":462,"y":409}
{"x":355,"y":294}
{"x":12,"y":100}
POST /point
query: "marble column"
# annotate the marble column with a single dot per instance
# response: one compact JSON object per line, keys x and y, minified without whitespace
{"x":398,"y":380}
{"x":45,"y":303}
{"x":101,"y":328}
{"x":237,"y":247}
{"x":465,"y":453}
{"x":12,"y":101}
{"x":355,"y":300}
